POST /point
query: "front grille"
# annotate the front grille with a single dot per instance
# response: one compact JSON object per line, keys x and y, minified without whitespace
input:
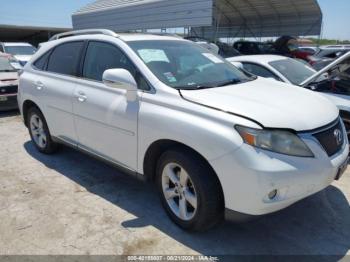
{"x":332,"y":139}
{"x":8,"y":90}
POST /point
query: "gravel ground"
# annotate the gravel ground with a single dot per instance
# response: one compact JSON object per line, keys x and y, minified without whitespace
{"x":70,"y":203}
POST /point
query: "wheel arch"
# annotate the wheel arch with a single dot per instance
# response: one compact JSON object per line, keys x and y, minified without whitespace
{"x":157,"y":148}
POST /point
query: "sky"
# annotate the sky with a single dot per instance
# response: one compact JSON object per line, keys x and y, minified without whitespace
{"x":57,"y":13}
{"x":336,"y":19}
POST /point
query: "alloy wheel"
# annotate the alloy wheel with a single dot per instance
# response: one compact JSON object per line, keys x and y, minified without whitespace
{"x":179,"y":191}
{"x":37,"y":130}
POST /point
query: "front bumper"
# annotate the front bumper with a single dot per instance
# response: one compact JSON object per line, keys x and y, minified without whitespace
{"x":249,"y":174}
{"x":8,"y":102}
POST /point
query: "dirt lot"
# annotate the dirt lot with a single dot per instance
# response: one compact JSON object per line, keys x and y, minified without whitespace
{"x":70,"y":203}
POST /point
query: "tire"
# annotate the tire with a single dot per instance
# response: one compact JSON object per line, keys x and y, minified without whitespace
{"x":346,"y":119}
{"x":39,"y":132}
{"x":200,"y":197}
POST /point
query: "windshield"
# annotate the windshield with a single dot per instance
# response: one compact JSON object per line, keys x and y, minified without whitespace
{"x":20,"y":50}
{"x":186,"y":65}
{"x":5,"y":65}
{"x":295,"y":71}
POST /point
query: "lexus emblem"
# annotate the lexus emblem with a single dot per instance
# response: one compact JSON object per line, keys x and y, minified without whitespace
{"x":338,"y":136}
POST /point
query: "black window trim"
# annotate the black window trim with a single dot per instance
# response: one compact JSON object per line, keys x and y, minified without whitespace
{"x":256,"y":64}
{"x":46,"y":62}
{"x":83,"y":58}
{"x":53,"y":49}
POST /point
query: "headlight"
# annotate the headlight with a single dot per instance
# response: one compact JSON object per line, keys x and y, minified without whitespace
{"x":278,"y":141}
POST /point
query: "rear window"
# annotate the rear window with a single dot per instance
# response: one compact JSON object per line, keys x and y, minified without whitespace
{"x":20,"y":50}
{"x":64,"y":58}
{"x":295,"y":71}
{"x":42,"y":61}
{"x":259,"y":71}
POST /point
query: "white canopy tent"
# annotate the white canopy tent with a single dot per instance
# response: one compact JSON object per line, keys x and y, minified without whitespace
{"x":205,"y":18}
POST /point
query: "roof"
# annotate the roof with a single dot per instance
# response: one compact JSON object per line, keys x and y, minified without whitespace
{"x":16,"y":32}
{"x":106,"y":4}
{"x":207,"y":18}
{"x":264,"y":18}
{"x":126,"y":37}
{"x":98,"y":33}
{"x":141,"y":37}
{"x":15,"y":44}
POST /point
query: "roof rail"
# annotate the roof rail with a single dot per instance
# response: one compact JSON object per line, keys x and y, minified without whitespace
{"x":84,"y":32}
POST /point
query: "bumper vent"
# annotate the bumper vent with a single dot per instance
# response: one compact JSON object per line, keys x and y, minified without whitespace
{"x":332,"y":139}
{"x":8,"y":90}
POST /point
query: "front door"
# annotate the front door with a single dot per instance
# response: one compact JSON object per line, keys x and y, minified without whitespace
{"x":106,"y":122}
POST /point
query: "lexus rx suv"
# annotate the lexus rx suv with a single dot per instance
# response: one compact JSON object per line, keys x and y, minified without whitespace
{"x":215,"y":140}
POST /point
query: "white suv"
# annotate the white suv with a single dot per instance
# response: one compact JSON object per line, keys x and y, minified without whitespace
{"x":20,"y":51}
{"x":211,"y":137}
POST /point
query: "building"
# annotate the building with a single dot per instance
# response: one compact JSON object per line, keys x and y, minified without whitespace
{"x":31,"y":34}
{"x":205,"y":18}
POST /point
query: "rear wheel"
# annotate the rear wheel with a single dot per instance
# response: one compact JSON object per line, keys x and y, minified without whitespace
{"x":190,"y":191}
{"x":39,"y":132}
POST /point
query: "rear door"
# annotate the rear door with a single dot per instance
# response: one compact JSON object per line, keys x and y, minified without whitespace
{"x":55,"y":83}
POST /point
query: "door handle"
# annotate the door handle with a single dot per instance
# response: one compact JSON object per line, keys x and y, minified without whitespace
{"x":81,"y":97}
{"x":39,"y":85}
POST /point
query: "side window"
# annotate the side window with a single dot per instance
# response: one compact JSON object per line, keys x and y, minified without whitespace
{"x":102,"y":56}
{"x":2,"y":49}
{"x":64,"y":59}
{"x":259,"y":71}
{"x":332,"y":55}
{"x":42,"y":61}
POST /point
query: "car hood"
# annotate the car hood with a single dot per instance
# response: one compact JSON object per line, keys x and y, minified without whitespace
{"x":326,"y":69}
{"x":270,"y":103}
{"x":24,"y":58}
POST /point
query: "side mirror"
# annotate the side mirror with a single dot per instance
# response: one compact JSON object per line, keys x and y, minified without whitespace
{"x":119,"y":78}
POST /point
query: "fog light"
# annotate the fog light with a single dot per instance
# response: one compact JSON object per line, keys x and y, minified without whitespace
{"x":272,"y":194}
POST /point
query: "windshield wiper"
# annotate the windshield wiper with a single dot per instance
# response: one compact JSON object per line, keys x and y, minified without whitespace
{"x":230,"y":82}
{"x":198,"y":87}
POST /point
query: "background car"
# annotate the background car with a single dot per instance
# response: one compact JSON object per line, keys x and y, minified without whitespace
{"x":327,"y":55}
{"x":285,"y":46}
{"x":223,"y":49}
{"x":309,"y":49}
{"x":204,"y":43}
{"x":13,"y":61}
{"x":226,"y":50}
{"x":289,"y":46}
{"x":21,"y":51}
{"x":8,"y":85}
{"x":254,"y":48}
{"x":333,"y":81}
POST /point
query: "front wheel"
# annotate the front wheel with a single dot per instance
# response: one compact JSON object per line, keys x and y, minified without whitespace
{"x":190,"y":191}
